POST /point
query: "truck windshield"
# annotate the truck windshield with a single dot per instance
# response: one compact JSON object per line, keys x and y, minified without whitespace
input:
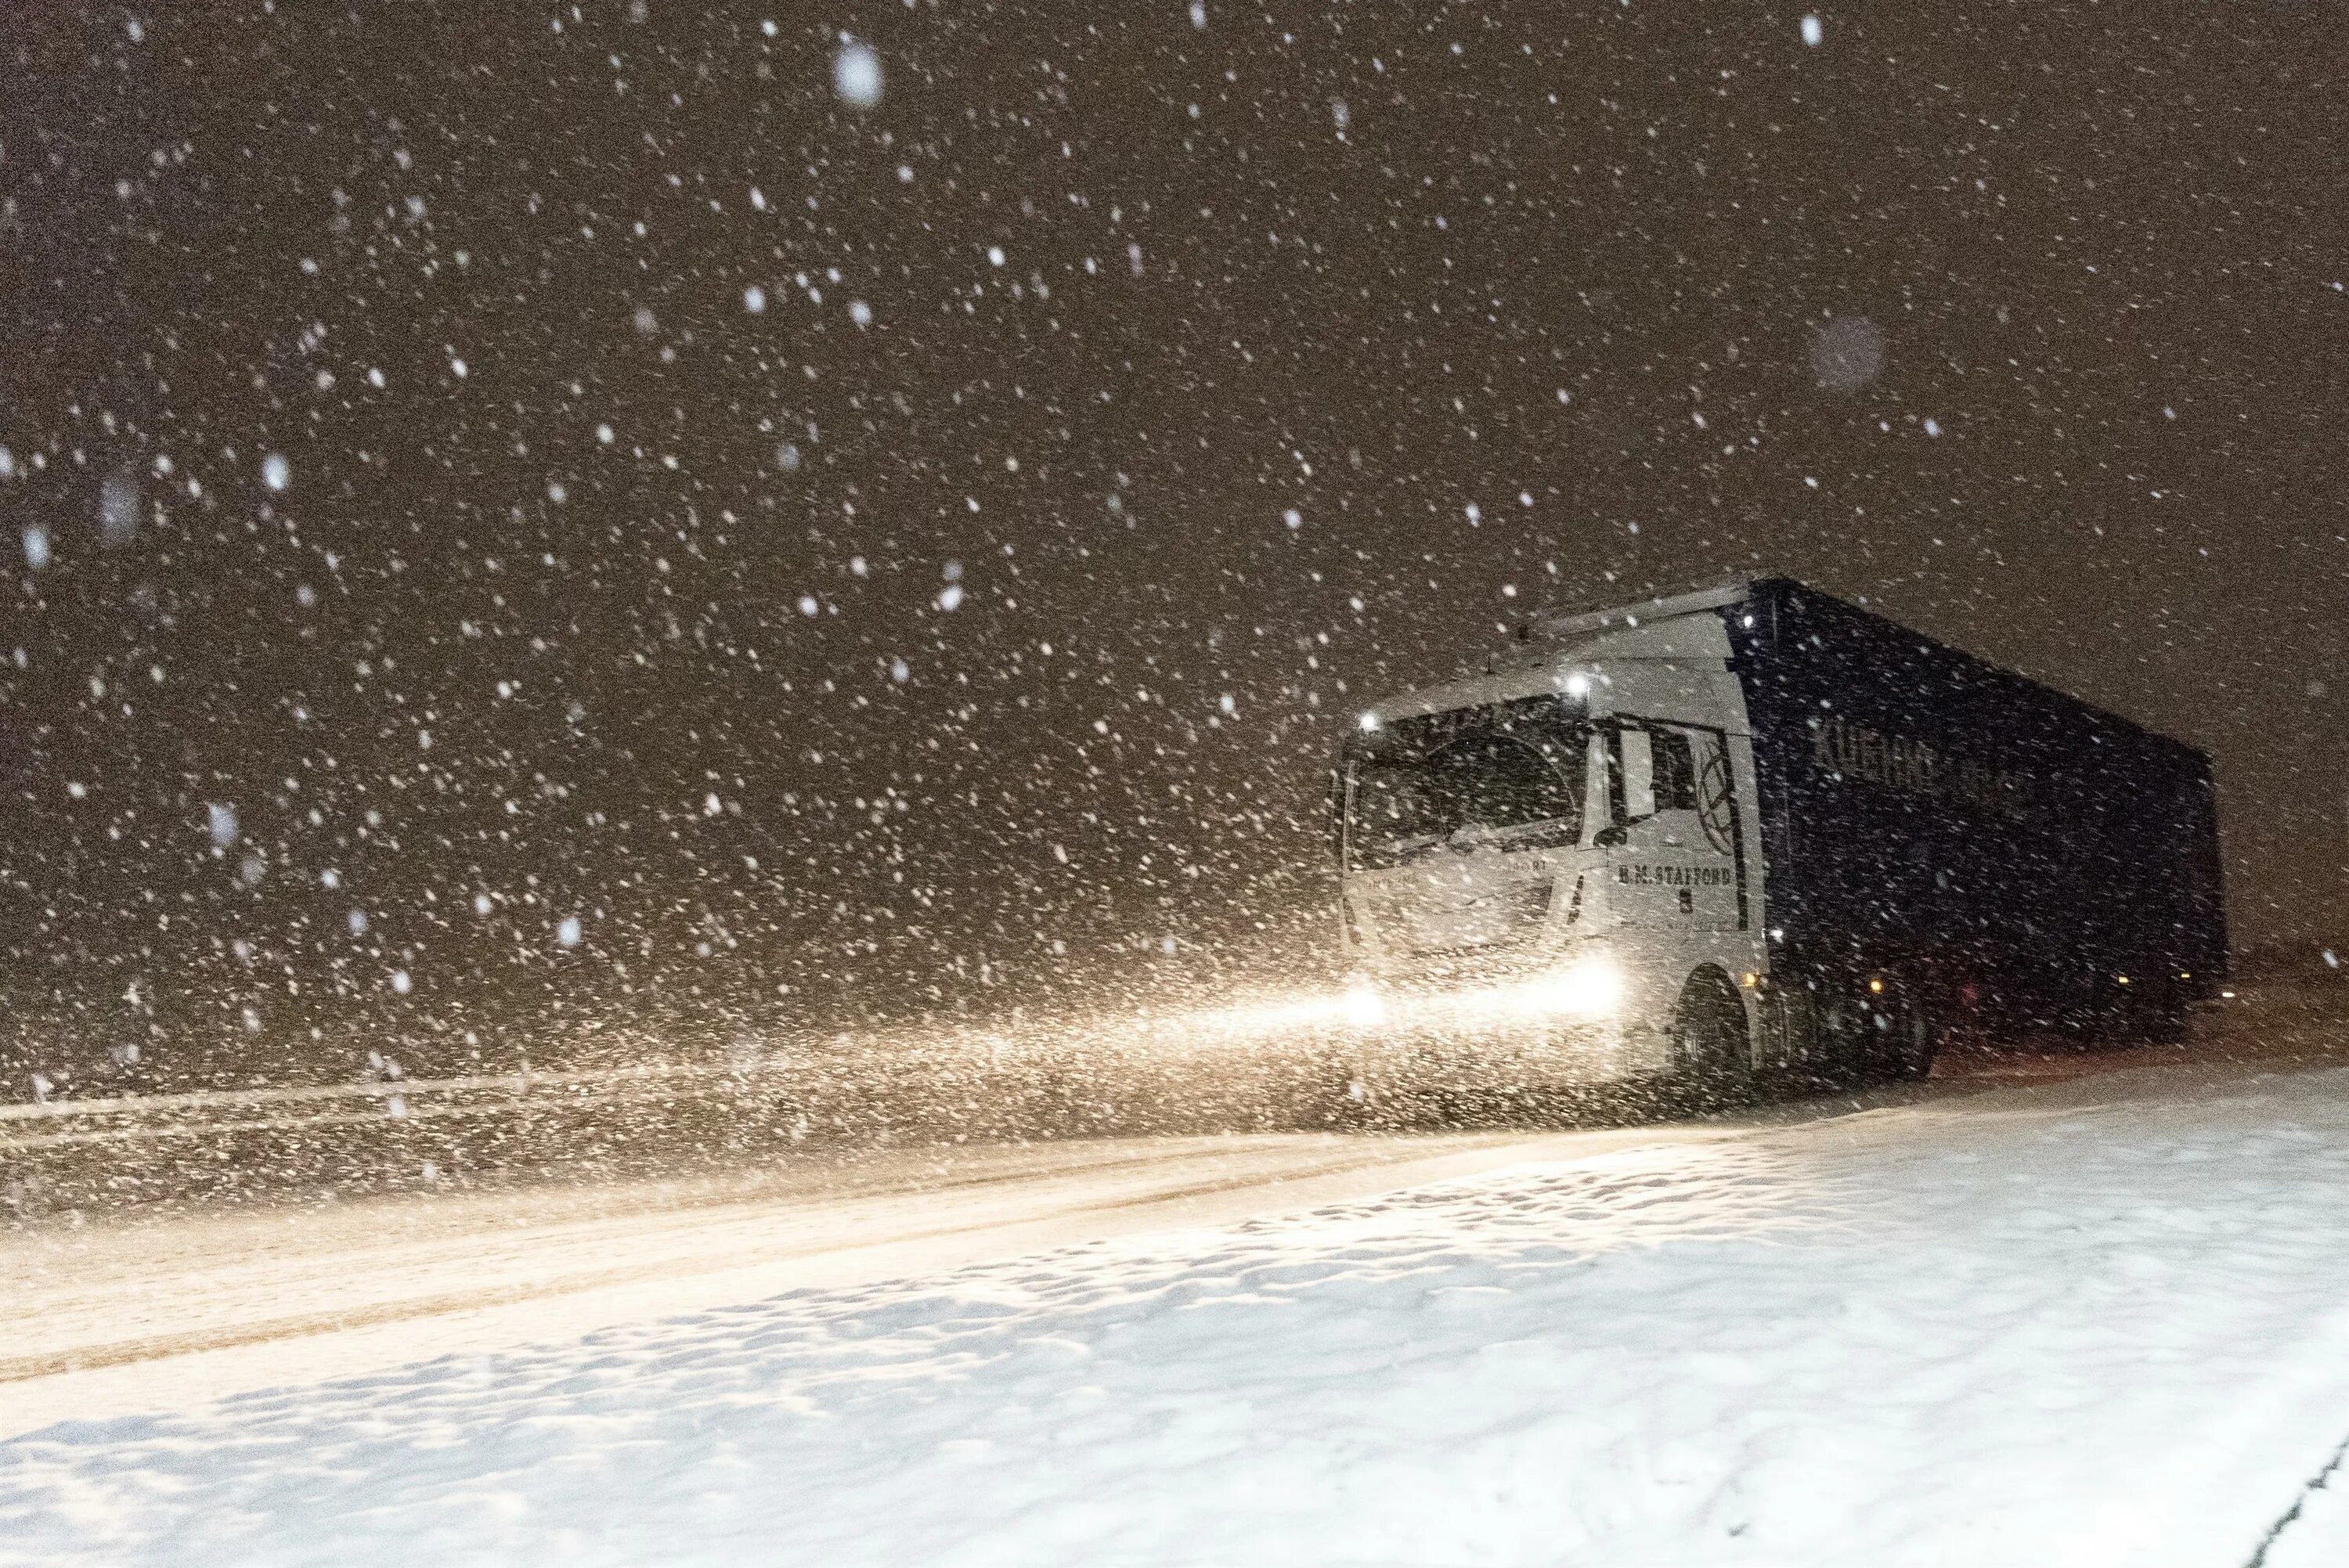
{"x":1518,"y":786}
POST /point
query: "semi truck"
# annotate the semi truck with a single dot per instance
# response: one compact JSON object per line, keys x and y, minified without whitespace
{"x":1756,"y":831}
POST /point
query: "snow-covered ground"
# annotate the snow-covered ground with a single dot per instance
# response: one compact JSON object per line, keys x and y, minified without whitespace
{"x":2100,"y":1321}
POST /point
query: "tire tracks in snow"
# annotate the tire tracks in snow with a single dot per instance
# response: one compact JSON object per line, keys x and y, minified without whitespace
{"x":2322,"y":1481}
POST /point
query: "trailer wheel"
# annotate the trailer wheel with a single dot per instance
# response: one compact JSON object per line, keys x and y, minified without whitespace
{"x":1711,"y":1049}
{"x":1914,"y":1039}
{"x":2153,"y":1015}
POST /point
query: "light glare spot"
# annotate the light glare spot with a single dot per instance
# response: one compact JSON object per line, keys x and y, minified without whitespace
{"x":856,"y":75}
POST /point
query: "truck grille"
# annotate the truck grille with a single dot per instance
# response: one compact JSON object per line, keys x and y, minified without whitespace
{"x":1425,"y":927}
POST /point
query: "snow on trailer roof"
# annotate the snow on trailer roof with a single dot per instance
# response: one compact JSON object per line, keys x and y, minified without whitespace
{"x":1560,"y":625}
{"x":1556,"y":623}
{"x":1518,"y":674}
{"x":1523,"y":673}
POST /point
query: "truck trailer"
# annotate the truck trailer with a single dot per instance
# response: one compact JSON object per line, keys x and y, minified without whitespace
{"x":1756,"y":831}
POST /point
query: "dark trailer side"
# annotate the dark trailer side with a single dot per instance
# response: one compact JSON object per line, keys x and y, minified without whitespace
{"x":2030,"y":860}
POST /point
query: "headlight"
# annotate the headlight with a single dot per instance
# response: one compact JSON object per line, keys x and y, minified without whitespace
{"x":1361,"y":1008}
{"x":1590,"y":989}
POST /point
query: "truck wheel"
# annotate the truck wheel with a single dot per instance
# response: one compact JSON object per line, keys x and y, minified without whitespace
{"x":1710,"y":1047}
{"x":1914,"y":1038}
{"x":2153,"y":1017}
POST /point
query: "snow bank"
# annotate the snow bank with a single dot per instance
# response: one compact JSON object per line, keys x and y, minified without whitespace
{"x":2055,"y":1332}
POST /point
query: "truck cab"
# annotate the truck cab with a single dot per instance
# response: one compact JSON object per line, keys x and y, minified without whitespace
{"x":1565,"y":847}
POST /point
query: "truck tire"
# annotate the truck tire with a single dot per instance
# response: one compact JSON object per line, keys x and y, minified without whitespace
{"x":1913,"y":1039}
{"x":1712,"y":1052}
{"x":2154,"y":1017}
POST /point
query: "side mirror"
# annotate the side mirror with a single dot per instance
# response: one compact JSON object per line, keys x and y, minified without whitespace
{"x":1607,"y":838}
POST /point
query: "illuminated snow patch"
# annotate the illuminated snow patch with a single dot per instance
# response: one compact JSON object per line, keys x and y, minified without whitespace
{"x":856,"y":75}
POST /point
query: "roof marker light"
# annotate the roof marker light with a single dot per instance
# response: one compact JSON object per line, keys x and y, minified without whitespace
{"x":1369,"y":721}
{"x":1577,"y":686}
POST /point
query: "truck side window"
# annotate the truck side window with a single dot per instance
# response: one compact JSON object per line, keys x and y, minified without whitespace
{"x":1716,"y":792}
{"x":1658,"y":771}
{"x":1675,"y":770}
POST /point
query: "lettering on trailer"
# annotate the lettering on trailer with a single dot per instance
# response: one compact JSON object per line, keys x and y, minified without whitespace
{"x":1674,"y":876}
{"x":1848,"y":751}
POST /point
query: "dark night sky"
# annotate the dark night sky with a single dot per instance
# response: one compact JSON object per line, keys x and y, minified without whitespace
{"x":1508,"y":304}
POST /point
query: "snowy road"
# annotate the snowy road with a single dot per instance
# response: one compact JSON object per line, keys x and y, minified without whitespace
{"x":216,"y":1302}
{"x":2102,"y":1320}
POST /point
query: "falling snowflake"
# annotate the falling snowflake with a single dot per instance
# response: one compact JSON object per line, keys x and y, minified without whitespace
{"x":1846,"y":352}
{"x":118,"y":508}
{"x":856,"y":75}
